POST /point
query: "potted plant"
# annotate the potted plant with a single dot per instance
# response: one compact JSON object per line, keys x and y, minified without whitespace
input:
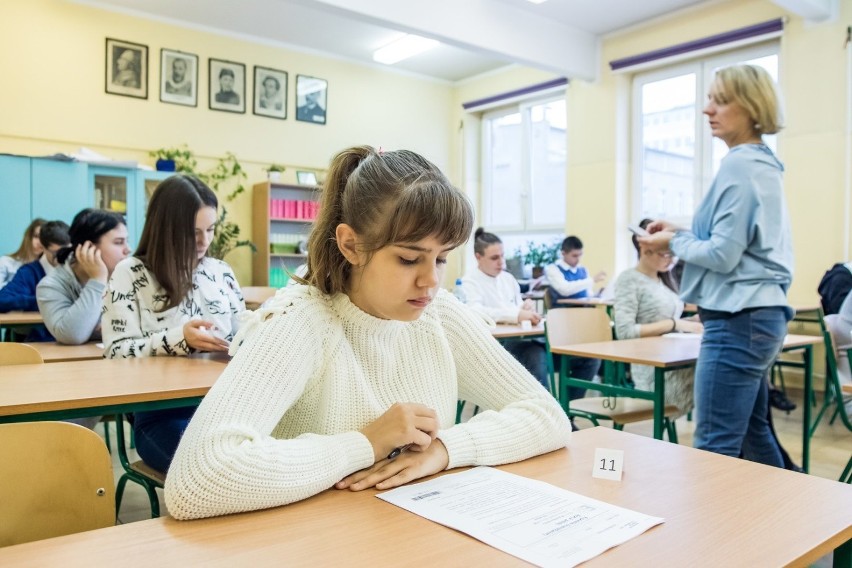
{"x":274,"y":172}
{"x":178,"y":159}
{"x":539,"y":255}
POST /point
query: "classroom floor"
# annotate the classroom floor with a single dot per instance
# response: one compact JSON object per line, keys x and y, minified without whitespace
{"x":831,"y":447}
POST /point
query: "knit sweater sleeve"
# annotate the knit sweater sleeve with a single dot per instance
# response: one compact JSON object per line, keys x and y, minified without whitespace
{"x":121,"y":322}
{"x":228,"y":461}
{"x":521,"y":419}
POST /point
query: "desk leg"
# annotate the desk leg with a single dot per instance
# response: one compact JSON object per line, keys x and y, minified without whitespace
{"x":843,"y":555}
{"x":806,"y":418}
{"x":659,"y":401}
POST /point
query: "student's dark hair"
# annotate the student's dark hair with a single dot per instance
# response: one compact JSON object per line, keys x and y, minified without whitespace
{"x":54,"y":233}
{"x":25,"y":252}
{"x":167,"y":244}
{"x":387,"y":198}
{"x":667,"y":278}
{"x":89,"y":225}
{"x":572,"y":243}
{"x":483,"y":240}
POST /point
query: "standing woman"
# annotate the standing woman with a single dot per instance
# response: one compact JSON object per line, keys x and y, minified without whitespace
{"x":71,"y":297}
{"x":739,"y":263}
{"x":29,"y":250}
{"x":170,"y":299}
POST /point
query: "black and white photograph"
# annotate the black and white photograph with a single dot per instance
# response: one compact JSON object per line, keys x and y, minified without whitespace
{"x":227,"y":86}
{"x":270,"y":92}
{"x":311,"y":99}
{"x":178,"y":77}
{"x":126,"y":68}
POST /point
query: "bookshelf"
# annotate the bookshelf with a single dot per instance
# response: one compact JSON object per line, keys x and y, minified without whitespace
{"x":282,"y":215}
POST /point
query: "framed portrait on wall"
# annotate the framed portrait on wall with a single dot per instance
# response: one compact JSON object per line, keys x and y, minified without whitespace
{"x":227,"y":86}
{"x":270,"y":92}
{"x":178,"y":77}
{"x":306,"y":178}
{"x":311,"y":99}
{"x":126,"y":68}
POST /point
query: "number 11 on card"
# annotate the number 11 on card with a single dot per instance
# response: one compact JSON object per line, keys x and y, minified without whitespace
{"x":608,"y":464}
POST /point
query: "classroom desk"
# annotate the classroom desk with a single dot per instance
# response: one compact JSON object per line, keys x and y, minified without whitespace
{"x":9,"y":320}
{"x":718,"y":511}
{"x":515,"y":331}
{"x":96,"y":387}
{"x":256,"y":295}
{"x":666,"y":354}
{"x":53,"y":352}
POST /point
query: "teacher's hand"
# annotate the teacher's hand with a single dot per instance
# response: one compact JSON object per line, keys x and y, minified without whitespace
{"x":660,"y":225}
{"x":408,"y":466}
{"x":657,"y":241}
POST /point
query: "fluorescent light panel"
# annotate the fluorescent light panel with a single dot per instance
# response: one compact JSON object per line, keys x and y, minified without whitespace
{"x":406,"y":46}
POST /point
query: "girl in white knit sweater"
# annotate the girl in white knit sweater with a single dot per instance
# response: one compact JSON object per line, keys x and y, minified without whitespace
{"x":351,"y":380}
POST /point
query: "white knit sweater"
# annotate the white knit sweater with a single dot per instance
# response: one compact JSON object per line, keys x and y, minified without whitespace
{"x":281,"y":423}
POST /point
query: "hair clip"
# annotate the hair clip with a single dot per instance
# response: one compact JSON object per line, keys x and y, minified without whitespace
{"x":381,"y":152}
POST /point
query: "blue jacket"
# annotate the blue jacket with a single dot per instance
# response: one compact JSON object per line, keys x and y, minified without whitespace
{"x":739,"y":252}
{"x":20,"y":294}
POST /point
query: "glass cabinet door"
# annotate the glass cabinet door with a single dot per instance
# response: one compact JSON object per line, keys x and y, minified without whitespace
{"x":111,"y":192}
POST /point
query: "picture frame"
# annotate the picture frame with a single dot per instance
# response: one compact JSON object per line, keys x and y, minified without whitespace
{"x":227,"y":86}
{"x":311,"y":99}
{"x":270,"y":92}
{"x":178,"y":77}
{"x":126,"y":68}
{"x":306,"y":178}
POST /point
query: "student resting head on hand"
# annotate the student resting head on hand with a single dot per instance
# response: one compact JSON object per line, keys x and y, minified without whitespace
{"x":352,"y":380}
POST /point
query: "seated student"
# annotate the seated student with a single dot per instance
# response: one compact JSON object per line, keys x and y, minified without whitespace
{"x":29,"y":251}
{"x":647,"y":305}
{"x":336,"y":380}
{"x":20,"y":293}
{"x":71,"y":298}
{"x":834,"y":287}
{"x":842,"y":329}
{"x":567,"y":279}
{"x":496,"y":293}
{"x":169,"y":299}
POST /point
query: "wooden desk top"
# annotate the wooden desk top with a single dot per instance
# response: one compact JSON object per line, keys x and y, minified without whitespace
{"x":506,"y":331}
{"x":718,"y":511}
{"x":53,"y":352}
{"x":76,"y":385}
{"x":21,"y":318}
{"x":658,"y":351}
{"x":586,"y":302}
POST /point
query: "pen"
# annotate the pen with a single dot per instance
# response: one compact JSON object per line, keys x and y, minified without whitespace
{"x":396,"y":451}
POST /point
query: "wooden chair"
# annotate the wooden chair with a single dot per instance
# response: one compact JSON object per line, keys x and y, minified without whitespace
{"x":57,"y":480}
{"x":19,"y":354}
{"x":138,"y":472}
{"x":846,"y":476}
{"x":571,"y":326}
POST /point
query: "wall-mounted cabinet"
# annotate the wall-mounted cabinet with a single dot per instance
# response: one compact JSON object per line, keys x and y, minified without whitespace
{"x":57,"y":189}
{"x":282,"y":215}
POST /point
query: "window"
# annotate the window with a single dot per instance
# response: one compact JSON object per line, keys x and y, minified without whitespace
{"x":524,"y":153}
{"x":674,"y":158}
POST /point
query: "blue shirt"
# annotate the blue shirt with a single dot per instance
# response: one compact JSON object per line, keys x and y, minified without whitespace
{"x":739,"y":252}
{"x":570,"y":275}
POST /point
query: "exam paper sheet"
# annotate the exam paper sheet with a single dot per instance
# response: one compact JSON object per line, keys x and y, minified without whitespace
{"x":532,"y":520}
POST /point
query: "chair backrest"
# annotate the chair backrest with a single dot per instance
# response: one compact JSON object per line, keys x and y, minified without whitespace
{"x":57,"y":480}
{"x":19,"y":354}
{"x":570,"y":326}
{"x":832,"y":363}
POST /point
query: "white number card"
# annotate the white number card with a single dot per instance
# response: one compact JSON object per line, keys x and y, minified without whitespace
{"x":608,"y":464}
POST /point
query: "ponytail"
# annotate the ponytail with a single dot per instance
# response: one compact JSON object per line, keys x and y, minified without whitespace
{"x":328,"y":269}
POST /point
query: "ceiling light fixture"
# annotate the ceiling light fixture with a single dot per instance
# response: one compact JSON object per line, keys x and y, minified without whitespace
{"x":402,"y":48}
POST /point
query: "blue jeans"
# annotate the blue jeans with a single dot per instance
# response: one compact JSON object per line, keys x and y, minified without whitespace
{"x":731,"y":390}
{"x":158,"y":433}
{"x":532,"y":355}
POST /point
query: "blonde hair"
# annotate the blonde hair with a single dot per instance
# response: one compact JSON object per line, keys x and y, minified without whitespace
{"x":387,"y":198}
{"x":752,"y":88}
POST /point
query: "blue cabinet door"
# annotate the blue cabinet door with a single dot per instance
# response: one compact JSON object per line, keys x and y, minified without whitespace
{"x":15,"y":206}
{"x":59,"y":189}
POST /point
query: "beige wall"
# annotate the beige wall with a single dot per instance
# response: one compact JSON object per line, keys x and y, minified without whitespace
{"x":54,"y":100}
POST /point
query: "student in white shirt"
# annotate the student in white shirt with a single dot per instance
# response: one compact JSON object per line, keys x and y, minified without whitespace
{"x":352,"y":380}
{"x":493,"y":291}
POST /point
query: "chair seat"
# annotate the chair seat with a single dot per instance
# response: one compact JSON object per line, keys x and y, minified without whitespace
{"x":626,"y":411}
{"x":148,"y":471}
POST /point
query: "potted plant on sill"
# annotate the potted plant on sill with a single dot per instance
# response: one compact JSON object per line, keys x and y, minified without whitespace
{"x":177,"y":159}
{"x":540,"y":255}
{"x":274,"y":172}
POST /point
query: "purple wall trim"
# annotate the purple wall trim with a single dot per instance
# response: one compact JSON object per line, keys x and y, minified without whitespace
{"x":710,"y":41}
{"x":562,"y":81}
